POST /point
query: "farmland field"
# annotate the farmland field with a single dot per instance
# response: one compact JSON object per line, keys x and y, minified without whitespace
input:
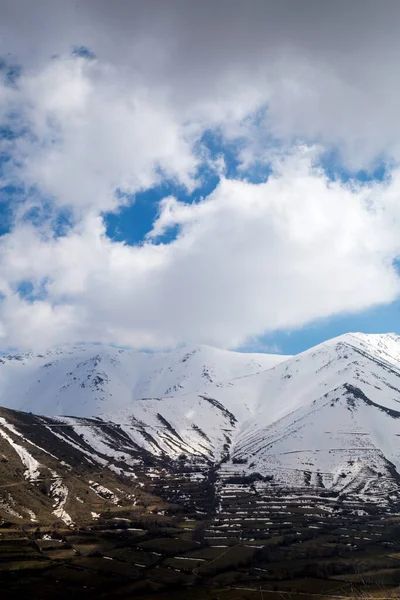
{"x":253,"y":546}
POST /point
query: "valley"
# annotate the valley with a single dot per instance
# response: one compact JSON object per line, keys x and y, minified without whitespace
{"x":201,"y":544}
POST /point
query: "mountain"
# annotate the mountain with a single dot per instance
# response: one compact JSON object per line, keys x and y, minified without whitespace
{"x":331,"y":416}
{"x":87,"y":380}
{"x":325,"y":422}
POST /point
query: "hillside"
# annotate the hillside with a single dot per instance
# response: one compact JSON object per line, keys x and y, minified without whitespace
{"x":325,"y":420}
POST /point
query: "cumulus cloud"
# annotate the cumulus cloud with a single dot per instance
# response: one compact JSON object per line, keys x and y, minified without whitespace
{"x":248,"y":258}
{"x":90,"y":132}
{"x":281,"y":83}
{"x":325,"y":70}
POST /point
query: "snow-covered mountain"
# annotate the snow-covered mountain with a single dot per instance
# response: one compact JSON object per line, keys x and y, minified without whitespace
{"x":316,"y":411}
{"x":327,"y":419}
{"x":330,"y":416}
{"x":87,"y":380}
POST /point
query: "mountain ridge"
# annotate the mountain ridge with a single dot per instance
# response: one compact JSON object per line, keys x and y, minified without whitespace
{"x":325,"y":420}
{"x":47,"y":383}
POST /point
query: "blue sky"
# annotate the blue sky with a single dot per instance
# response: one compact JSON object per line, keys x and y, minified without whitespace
{"x":133,"y":220}
{"x":131,"y":224}
{"x":383,"y":319}
{"x":157,"y":190}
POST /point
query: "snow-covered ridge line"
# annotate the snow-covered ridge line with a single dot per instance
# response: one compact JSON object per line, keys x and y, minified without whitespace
{"x":89,"y":380}
{"x":324,"y":419}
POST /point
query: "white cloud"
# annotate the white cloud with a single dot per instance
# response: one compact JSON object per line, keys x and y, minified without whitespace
{"x":327,"y":71}
{"x":248,"y":258}
{"x":92,"y":131}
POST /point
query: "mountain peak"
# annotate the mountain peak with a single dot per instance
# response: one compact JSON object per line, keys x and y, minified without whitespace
{"x":385,"y":346}
{"x":86,"y":380}
{"x":324,"y":419}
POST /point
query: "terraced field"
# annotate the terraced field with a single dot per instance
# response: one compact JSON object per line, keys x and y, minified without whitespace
{"x":213,"y":535}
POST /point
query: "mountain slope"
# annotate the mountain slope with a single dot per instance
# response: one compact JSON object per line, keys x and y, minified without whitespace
{"x":315,"y":417}
{"x":328,"y":416}
{"x":326,"y":420}
{"x":88,"y":380}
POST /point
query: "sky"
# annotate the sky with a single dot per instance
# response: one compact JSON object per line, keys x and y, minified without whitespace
{"x":177,"y":172}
